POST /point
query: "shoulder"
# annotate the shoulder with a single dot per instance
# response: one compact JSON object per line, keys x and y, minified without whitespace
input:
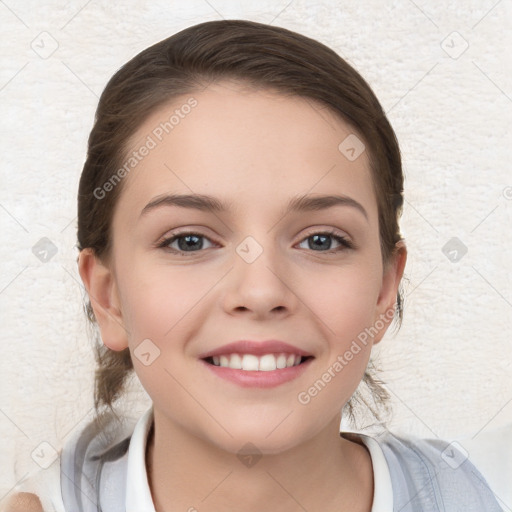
{"x":410,"y":448}
{"x":23,"y":502}
{"x":432,"y":471}
{"x":94,"y":460}
{"x":491,"y":452}
{"x":39,"y":491}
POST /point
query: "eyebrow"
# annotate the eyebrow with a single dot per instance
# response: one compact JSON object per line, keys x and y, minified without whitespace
{"x":209,"y":203}
{"x":312,"y":203}
{"x":196,"y":201}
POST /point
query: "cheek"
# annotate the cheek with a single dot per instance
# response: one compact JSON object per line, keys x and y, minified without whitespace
{"x":345,"y":299}
{"x":161,"y":309}
{"x":158,"y":299}
{"x":344,"y":302}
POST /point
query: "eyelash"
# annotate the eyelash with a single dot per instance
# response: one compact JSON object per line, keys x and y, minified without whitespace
{"x":344,"y":242}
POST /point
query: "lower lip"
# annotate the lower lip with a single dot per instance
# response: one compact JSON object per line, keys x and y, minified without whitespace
{"x":258,"y":379}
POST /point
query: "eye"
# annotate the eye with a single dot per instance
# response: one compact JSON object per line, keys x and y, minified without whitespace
{"x":323,"y":242}
{"x":186,"y":242}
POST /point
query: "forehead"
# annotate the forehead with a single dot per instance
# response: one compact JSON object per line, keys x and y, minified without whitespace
{"x":245,"y":146}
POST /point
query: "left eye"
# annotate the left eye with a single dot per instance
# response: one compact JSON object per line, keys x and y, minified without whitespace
{"x":324,"y":242}
{"x":187,"y":242}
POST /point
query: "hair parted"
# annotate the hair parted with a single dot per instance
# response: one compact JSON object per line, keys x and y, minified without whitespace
{"x":258,"y":55}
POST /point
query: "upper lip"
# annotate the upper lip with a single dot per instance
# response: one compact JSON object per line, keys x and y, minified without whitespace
{"x":257,"y":348}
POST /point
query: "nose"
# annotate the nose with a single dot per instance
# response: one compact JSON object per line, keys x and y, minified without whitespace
{"x":259,"y":289}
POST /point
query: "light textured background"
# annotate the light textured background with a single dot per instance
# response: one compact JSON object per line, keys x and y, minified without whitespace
{"x":448,"y":369}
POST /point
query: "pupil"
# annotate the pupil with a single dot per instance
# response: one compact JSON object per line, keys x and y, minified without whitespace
{"x":189,"y":242}
{"x":321,"y":241}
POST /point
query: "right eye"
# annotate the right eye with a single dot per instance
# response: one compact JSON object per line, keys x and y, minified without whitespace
{"x":186,"y":242}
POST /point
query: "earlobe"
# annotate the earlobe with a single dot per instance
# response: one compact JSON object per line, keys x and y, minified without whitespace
{"x":393,"y":273}
{"x":102,"y":290}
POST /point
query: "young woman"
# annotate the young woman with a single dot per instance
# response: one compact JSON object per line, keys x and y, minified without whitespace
{"x":239,"y":241}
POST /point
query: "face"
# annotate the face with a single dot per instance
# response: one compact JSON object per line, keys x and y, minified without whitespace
{"x":245,"y":223}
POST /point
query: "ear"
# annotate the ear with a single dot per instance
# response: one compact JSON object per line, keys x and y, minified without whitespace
{"x":101,"y":286}
{"x":392,"y":275}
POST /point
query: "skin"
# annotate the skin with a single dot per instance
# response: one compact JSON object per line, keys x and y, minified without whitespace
{"x":254,"y":150}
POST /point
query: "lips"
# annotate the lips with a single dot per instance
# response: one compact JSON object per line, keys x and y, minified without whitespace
{"x":257,"y":378}
{"x":260,"y":364}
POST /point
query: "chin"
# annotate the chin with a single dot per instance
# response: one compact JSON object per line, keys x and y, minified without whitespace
{"x":267,"y":437}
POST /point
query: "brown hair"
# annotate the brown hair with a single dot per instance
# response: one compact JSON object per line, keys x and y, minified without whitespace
{"x":261,"y":56}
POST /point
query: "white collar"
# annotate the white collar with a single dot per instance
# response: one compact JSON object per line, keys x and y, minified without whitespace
{"x":138,"y":494}
{"x":382,"y":487}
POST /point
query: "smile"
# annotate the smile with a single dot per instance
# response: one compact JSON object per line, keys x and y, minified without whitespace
{"x":251,"y":371}
{"x":253,"y":363}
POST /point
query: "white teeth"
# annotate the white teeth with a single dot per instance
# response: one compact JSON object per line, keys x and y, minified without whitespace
{"x":251,"y":363}
{"x":235,"y":362}
{"x":281,"y":361}
{"x":267,"y":363}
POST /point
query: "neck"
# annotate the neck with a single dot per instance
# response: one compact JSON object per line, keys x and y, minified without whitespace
{"x":325,"y":473}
